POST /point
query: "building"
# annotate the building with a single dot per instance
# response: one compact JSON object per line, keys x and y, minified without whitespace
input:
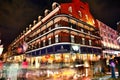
{"x":109,"y":40}
{"x":118,"y":27}
{"x":64,"y":35}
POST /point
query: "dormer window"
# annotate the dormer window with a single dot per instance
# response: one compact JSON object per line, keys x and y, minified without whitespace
{"x":93,"y":21}
{"x":80,"y":14}
{"x":86,"y":17}
{"x":70,"y":9}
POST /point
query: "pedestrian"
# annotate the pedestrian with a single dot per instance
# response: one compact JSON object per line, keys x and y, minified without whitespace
{"x":12,"y":71}
{"x":1,"y":68}
{"x":117,"y":60}
{"x":112,"y":66}
{"x":24,"y":69}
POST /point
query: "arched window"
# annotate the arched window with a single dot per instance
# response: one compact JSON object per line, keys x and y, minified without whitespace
{"x":70,"y":9}
{"x":93,"y":21}
{"x":86,"y":17}
{"x":80,"y":14}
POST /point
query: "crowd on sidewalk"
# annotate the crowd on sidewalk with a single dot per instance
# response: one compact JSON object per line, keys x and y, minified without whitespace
{"x":108,"y":65}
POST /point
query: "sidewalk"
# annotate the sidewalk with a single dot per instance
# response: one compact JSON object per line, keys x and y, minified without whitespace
{"x":107,"y":77}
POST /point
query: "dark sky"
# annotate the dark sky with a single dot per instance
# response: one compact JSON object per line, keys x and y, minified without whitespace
{"x":16,"y":15}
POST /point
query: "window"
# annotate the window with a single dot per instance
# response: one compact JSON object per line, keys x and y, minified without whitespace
{"x":93,"y":21}
{"x":44,"y":32}
{"x":56,"y":25}
{"x":43,"y":42}
{"x":70,"y":25}
{"x":88,"y":32}
{"x":83,"y":41}
{"x":72,"y":39}
{"x":90,"y":42}
{"x":70,"y":9}
{"x":86,"y":17}
{"x":82,"y":30}
{"x":49,"y":28}
{"x":49,"y":41}
{"x":56,"y":38}
{"x":80,"y":14}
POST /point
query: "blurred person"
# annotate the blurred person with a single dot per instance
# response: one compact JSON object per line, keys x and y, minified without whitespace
{"x":12,"y":71}
{"x":1,"y":68}
{"x":117,"y":61}
{"x":1,"y":64}
{"x":24,"y":68}
{"x":112,"y":66}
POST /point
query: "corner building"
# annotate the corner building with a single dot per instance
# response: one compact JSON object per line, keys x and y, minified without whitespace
{"x":66,"y":34}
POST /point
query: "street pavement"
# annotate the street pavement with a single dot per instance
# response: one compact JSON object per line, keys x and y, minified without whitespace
{"x":107,"y":77}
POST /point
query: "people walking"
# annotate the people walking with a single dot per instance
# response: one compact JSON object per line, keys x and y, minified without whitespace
{"x":12,"y":71}
{"x":24,"y":69}
{"x":117,"y":60}
{"x":112,"y":66}
{"x":1,"y":68}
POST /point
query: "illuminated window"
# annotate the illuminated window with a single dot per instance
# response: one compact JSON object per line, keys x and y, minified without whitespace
{"x":88,"y":32}
{"x":43,"y":42}
{"x":93,"y":21}
{"x":90,"y":42}
{"x":56,"y":38}
{"x":82,"y":30}
{"x":70,"y":9}
{"x":83,"y":41}
{"x":72,"y":39}
{"x":49,"y":28}
{"x":86,"y":17}
{"x":56,"y":25}
{"x":44,"y":31}
{"x":49,"y":41}
{"x":80,"y":14}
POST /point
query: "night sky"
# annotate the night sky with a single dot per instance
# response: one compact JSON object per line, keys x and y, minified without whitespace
{"x":16,"y":15}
